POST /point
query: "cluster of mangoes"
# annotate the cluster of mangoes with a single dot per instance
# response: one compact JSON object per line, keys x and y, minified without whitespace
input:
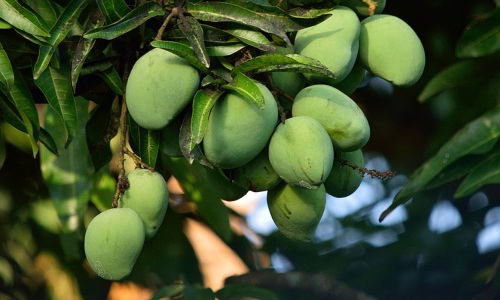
{"x":115,"y":237}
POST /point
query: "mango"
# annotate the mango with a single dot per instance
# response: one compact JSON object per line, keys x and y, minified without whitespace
{"x":222,"y":187}
{"x":257,"y":175}
{"x":334,"y":42}
{"x":159,"y":87}
{"x":353,"y":80}
{"x":238,"y":130}
{"x":296,"y":211}
{"x":169,"y":140}
{"x":288,"y":82}
{"x":113,"y":241}
{"x":301,"y":152}
{"x":344,"y":180}
{"x":361,"y":8}
{"x":390,"y":49}
{"x":148,"y":196}
{"x":342,"y":118}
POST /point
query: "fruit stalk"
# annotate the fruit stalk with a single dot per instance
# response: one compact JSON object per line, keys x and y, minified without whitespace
{"x":372,"y":5}
{"x":373,"y":173}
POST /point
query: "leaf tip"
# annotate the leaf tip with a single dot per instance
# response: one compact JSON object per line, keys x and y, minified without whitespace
{"x":385,"y":214}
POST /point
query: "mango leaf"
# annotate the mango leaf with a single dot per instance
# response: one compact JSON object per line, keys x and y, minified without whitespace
{"x":11,"y":42}
{"x":194,"y":180}
{"x":247,"y":88}
{"x":134,"y":130}
{"x":20,"y":95}
{"x":224,"y":50}
{"x":203,"y":102}
{"x":68,"y":176}
{"x":246,"y":34}
{"x":33,"y":38}
{"x":95,"y":20}
{"x":113,"y":80}
{"x":224,"y":62}
{"x":63,"y":25}
{"x":456,"y":170}
{"x":6,"y":72}
{"x":3,"y":152}
{"x":98,"y":65}
{"x":282,"y":63}
{"x":131,"y":21}
{"x":189,"y":148}
{"x":113,"y":10}
{"x":101,"y":128}
{"x":77,"y":29}
{"x":45,"y":9}
{"x":149,"y":144}
{"x":169,"y":291}
{"x":104,"y":191}
{"x":477,"y":137}
{"x":56,"y":87}
{"x":458,"y":74}
{"x":481,"y":38}
{"x":300,"y":12}
{"x":19,"y":17}
{"x":232,"y":291}
{"x":487,"y":172}
{"x":4,"y":25}
{"x":194,"y":33}
{"x":48,"y":141}
{"x":183,"y":51}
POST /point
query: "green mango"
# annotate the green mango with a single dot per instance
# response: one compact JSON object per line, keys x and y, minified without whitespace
{"x":353,"y":80}
{"x":222,"y":187}
{"x":342,"y":118}
{"x":344,"y":180}
{"x":113,"y":241}
{"x":238,"y":130}
{"x":334,"y":42}
{"x":169,"y":140}
{"x":288,"y":82}
{"x":160,"y":86}
{"x":301,"y":152}
{"x":257,"y":175}
{"x":296,"y":211}
{"x":361,"y":8}
{"x":390,"y":49}
{"x":148,"y":196}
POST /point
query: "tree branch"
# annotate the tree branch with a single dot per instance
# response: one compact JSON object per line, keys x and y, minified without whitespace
{"x":373,"y":173}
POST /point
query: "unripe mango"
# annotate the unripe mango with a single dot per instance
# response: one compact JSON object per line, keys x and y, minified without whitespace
{"x":301,"y":152}
{"x":238,"y":130}
{"x":113,"y":241}
{"x":344,"y":180}
{"x":169,"y":140}
{"x":353,"y":80}
{"x":342,"y":118}
{"x":361,"y":7}
{"x":222,"y":187}
{"x":257,"y":175}
{"x":148,"y":196}
{"x":160,"y":85}
{"x":390,"y":49}
{"x":334,"y":42}
{"x":296,"y":211}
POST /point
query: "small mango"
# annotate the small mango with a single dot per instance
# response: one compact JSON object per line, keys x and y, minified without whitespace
{"x":257,"y":175}
{"x":296,"y":211}
{"x":169,"y":140}
{"x":148,"y":196}
{"x":113,"y":242}
{"x":222,"y":187}
{"x":353,"y":80}
{"x":344,"y":180}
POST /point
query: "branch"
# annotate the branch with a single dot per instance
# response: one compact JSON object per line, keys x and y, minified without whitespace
{"x":284,"y":95}
{"x":319,"y":286}
{"x":173,"y":13}
{"x":373,"y":173}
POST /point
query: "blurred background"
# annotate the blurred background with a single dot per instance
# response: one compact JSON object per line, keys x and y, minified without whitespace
{"x":433,"y":247}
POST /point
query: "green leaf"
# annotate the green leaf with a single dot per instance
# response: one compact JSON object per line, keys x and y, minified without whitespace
{"x":48,"y":141}
{"x":98,"y":65}
{"x":113,"y":10}
{"x":20,"y":95}
{"x":481,"y":38}
{"x":131,"y":21}
{"x":63,"y":25}
{"x":183,"y":51}
{"x":487,"y":172}
{"x":33,"y":38}
{"x":456,"y":170}
{"x":113,"y":80}
{"x":224,"y":62}
{"x":68,"y":176}
{"x":11,"y":41}
{"x":56,"y":86}
{"x":6,"y":71}
{"x":149,"y":144}
{"x":247,"y":88}
{"x":3,"y":152}
{"x":458,"y":74}
{"x":189,"y":148}
{"x":19,"y":17}
{"x":477,"y":137}
{"x":95,"y":20}
{"x":169,"y":291}
{"x":246,"y":34}
{"x":224,"y":50}
{"x":282,"y":63}
{"x":243,"y":291}
{"x":300,"y":12}
{"x":194,"y":180}
{"x":104,"y":192}
{"x":45,"y":9}
{"x":194,"y":33}
{"x":77,"y":29}
{"x":203,"y":102}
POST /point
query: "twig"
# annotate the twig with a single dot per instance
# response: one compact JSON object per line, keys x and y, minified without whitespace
{"x":173,"y":13}
{"x":273,"y":88}
{"x":373,"y":173}
{"x":285,"y":95}
{"x":137,"y":160}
